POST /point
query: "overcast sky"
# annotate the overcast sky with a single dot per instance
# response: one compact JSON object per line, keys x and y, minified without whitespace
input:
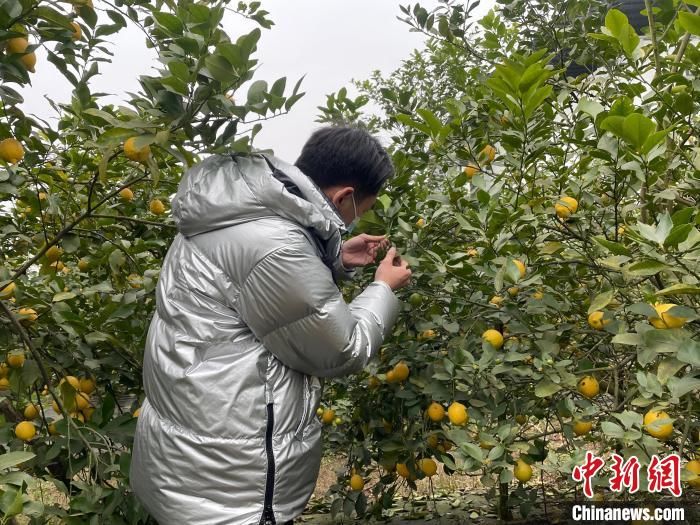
{"x":329,"y":41}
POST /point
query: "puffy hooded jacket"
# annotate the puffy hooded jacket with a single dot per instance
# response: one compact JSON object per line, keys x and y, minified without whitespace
{"x":249,"y":320}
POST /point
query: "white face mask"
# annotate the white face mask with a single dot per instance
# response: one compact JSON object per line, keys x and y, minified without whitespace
{"x":350,"y":227}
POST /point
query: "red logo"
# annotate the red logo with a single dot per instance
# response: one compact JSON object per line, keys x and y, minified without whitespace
{"x":665,"y":474}
{"x":625,"y":474}
{"x":586,"y":472}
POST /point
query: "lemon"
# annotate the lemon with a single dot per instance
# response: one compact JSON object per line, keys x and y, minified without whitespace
{"x":134,"y":153}
{"x":126,"y":194}
{"x":83,"y":264}
{"x":663,"y":320}
{"x":588,"y":387}
{"x":694,"y":467}
{"x":87,"y":385}
{"x":82,"y":401}
{"x":521,"y":419}
{"x":582,"y":427}
{"x":596,"y":321}
{"x":328,"y":416}
{"x":402,"y":470}
{"x":77,"y":31}
{"x":488,"y":152}
{"x":470,"y":170}
{"x":72,"y":380}
{"x":497,"y":300}
{"x":538,"y":294}
{"x":472,"y":252}
{"x":52,"y":429}
{"x":521,"y":267}
{"x":8,"y":291}
{"x":4,"y":370}
{"x":17,"y":45}
{"x":488,"y":445}
{"x":494,"y":337}
{"x":4,"y":383}
{"x":420,"y":222}
{"x":565,"y":207}
{"x":401,"y":371}
{"x":11,"y":151}
{"x":426,"y":334}
{"x":31,"y":412}
{"x":391,"y":376}
{"x":458,"y":414}
{"x":15,"y":360}
{"x":659,"y":431}
{"x":53,"y":254}
{"x":522,"y":471}
{"x":156,"y":206}
{"x":319,"y":411}
{"x":356,"y":482}
{"x":25,"y":430}
{"x":428,"y":466}
{"x":415,"y":299}
{"x":137,"y":412}
{"x":435,"y":412}
{"x":29,"y":61}
{"x":513,"y":291}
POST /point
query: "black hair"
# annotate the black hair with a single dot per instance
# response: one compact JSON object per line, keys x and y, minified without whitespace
{"x":346,"y":154}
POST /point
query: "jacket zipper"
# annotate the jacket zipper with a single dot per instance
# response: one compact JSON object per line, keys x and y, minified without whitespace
{"x":268,"y":516}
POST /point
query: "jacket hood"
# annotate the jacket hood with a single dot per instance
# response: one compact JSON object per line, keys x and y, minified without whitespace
{"x":224,"y":190}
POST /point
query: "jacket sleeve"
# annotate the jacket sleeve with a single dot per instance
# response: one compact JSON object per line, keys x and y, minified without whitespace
{"x":291,"y":304}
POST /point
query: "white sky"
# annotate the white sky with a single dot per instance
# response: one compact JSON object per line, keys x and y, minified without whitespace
{"x":329,"y":41}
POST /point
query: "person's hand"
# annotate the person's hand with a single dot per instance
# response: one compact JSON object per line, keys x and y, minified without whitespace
{"x":393,"y":270}
{"x":362,"y":249}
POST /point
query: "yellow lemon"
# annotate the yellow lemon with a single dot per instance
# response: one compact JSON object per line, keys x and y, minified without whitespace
{"x":565,"y":207}
{"x":8,"y":291}
{"x":489,"y":152}
{"x":4,"y":383}
{"x":391,"y":376}
{"x":497,"y":300}
{"x":53,"y":254}
{"x":659,"y":431}
{"x":522,"y":471}
{"x":29,"y":61}
{"x":82,"y":401}
{"x":458,"y":414}
{"x":420,"y":222}
{"x":426,"y":334}
{"x":156,"y":206}
{"x":328,"y":416}
{"x":134,"y":153}
{"x":25,"y":430}
{"x":72,"y":381}
{"x":521,"y":267}
{"x":694,"y":467}
{"x":126,"y":194}
{"x":15,"y":360}
{"x":17,"y":45}
{"x":87,"y":385}
{"x":356,"y":482}
{"x":596,"y":321}
{"x":513,"y":291}
{"x":4,"y":370}
{"x":83,"y":264}
{"x":470,"y":170}
{"x":31,"y":412}
{"x":401,"y":371}
{"x":11,"y":151}
{"x":494,"y":337}
{"x":402,"y":470}
{"x":435,"y":412}
{"x":538,"y":295}
{"x":137,"y":412}
{"x":664,"y":320}
{"x":588,"y":387}
{"x":582,"y":427}
{"x":521,"y":419}
{"x":77,"y":31}
{"x":428,"y":466}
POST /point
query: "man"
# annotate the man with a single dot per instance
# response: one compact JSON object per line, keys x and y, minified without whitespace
{"x":248,"y":318}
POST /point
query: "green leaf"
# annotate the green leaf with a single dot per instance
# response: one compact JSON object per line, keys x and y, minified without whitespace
{"x":679,"y":386}
{"x":12,"y":459}
{"x":219,"y":68}
{"x":647,"y":267}
{"x":612,"y":430}
{"x":600,"y":301}
{"x":256,"y":91}
{"x":430,"y":119}
{"x":636,"y":128}
{"x":169,"y":22}
{"x":179,"y":70}
{"x":627,"y":339}
{"x":618,"y":25}
{"x":613,"y":124}
{"x":472,"y":450}
{"x":613,"y":247}
{"x":546,"y":388}
{"x":678,"y":235}
{"x":690,"y":22}
{"x":689,"y":352}
{"x":590,"y":107}
{"x":629,"y":418}
{"x":680,"y":289}
{"x":116,"y":260}
{"x":63,"y":296}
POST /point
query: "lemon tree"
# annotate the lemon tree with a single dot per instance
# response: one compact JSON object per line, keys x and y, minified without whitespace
{"x":551,"y":224}
{"x":85,"y":223}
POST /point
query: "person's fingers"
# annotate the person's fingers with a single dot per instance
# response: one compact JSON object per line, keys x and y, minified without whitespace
{"x":374,"y":238}
{"x":390,"y":254}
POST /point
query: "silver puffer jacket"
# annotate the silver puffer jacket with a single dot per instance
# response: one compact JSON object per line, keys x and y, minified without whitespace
{"x":248,"y":320}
